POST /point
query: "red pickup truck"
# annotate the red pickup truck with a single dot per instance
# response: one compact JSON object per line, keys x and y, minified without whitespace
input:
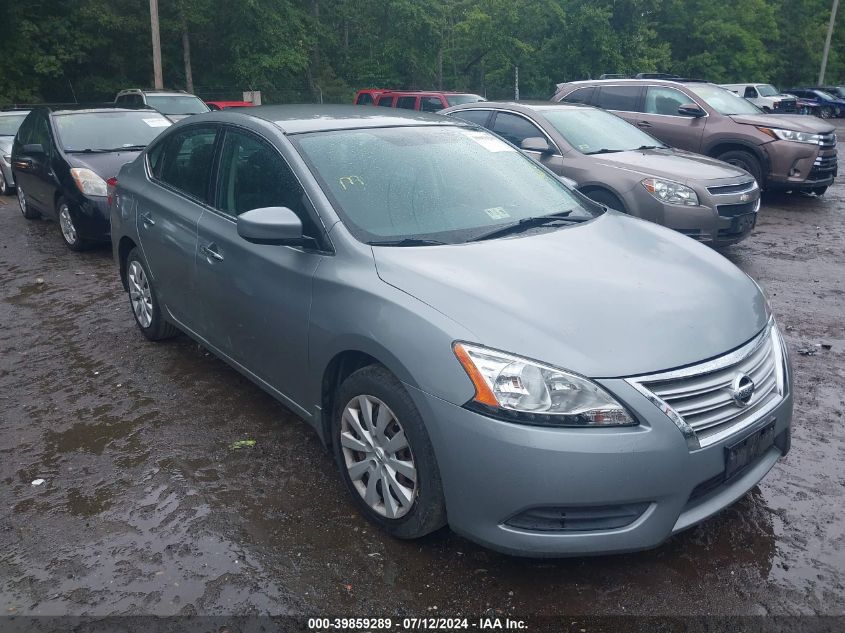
{"x":425,"y":100}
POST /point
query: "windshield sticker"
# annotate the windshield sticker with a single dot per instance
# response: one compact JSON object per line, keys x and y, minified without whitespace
{"x":351,"y":181}
{"x":584,"y":147}
{"x":159,"y":122}
{"x":497,"y":213}
{"x":488,"y":141}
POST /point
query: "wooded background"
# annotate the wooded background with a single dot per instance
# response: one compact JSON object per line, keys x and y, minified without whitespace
{"x":298,"y":50}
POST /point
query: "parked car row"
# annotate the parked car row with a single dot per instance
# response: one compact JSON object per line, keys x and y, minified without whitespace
{"x":476,"y":342}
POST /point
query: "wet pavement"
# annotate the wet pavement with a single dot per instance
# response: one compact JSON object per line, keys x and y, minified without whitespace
{"x":146,"y":509}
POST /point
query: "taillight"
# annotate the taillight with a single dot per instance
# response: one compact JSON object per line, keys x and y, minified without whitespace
{"x":111,"y":186}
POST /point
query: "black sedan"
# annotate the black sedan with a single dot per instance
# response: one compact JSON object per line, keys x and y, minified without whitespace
{"x":63,"y":157}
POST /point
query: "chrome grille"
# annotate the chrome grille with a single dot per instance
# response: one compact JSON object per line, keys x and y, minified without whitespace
{"x":828,"y":140}
{"x":726,"y":190}
{"x":700,"y":397}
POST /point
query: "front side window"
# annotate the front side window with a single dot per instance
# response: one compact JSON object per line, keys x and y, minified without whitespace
{"x":662,"y":100}
{"x":385,"y":101}
{"x":454,"y":100}
{"x":408,"y":103}
{"x":431,"y":104}
{"x":187,"y":160}
{"x":365,"y":98}
{"x":592,"y":131}
{"x":767,"y":90}
{"x":515,"y":128}
{"x":582,"y":95}
{"x":41,"y":134}
{"x":392,"y":184}
{"x":176,"y":104}
{"x":721,"y":100}
{"x":108,"y":131}
{"x":253,"y":175}
{"x":824,"y":96}
{"x":750,"y":92}
{"x":624,"y":98}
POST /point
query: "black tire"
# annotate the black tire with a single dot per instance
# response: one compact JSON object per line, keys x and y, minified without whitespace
{"x":819,"y":191}
{"x":427,"y":512}
{"x":5,"y":189}
{"x":826,"y":112}
{"x":159,"y":327}
{"x":744,"y":160}
{"x":67,"y":227}
{"x":608,"y":199}
{"x":26,"y":209}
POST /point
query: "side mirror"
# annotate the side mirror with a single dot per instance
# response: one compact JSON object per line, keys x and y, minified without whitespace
{"x":33,"y":149}
{"x":272,"y":225}
{"x":691,"y":109}
{"x":536,"y":144}
{"x":568,"y":182}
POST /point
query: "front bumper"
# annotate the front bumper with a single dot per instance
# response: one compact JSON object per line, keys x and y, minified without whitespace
{"x":494,"y":470}
{"x":91,"y":215}
{"x":799,"y":166}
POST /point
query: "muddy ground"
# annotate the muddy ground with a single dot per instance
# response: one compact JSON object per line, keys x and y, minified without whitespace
{"x":145,"y":509}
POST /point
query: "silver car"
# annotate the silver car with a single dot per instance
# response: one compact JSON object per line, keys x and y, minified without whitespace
{"x":619,"y":165}
{"x":10,"y":121}
{"x":478,"y":345}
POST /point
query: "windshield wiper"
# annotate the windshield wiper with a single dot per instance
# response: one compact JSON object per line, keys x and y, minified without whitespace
{"x":408,"y":241}
{"x":651,"y":147}
{"x":87,"y":151}
{"x":126,"y":148}
{"x":605,"y":150}
{"x":526,"y":223}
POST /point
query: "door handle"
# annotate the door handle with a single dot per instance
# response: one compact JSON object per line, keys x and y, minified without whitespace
{"x":644,"y":124}
{"x":24,"y":164}
{"x":147,"y":219}
{"x":210,"y":251}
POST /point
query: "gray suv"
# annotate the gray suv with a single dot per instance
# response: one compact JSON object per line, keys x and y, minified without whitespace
{"x":786,"y":151}
{"x":477,"y":344}
{"x":622,"y":167}
{"x":174,"y":104}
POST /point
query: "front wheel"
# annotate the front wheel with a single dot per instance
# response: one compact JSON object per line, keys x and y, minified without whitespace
{"x":144,"y":301}
{"x":385,"y":456}
{"x":26,"y":210}
{"x":744,"y":160}
{"x":4,"y":186}
{"x":606,"y":199}
{"x":67,"y":227}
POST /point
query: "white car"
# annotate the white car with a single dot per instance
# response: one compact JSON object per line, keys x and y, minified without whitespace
{"x":765,"y":96}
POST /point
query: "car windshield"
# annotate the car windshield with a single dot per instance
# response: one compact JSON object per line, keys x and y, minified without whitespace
{"x":454,"y":100}
{"x":767,"y":90}
{"x":177,"y":104}
{"x":595,"y":131}
{"x":824,"y":96}
{"x":9,"y":123}
{"x":108,"y":131}
{"x":723,"y":101}
{"x":446,"y":183}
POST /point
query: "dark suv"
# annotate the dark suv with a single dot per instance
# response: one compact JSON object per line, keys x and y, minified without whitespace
{"x":785,"y":151}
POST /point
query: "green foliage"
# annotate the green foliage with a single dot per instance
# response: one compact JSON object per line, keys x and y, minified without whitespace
{"x":294,"y":50}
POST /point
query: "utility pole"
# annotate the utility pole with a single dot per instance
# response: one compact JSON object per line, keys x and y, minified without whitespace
{"x":827,"y":40}
{"x":159,"y":82}
{"x":516,"y":83}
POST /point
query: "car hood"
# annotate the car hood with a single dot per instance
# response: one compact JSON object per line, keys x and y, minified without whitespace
{"x":616,"y":296}
{"x":671,"y":163}
{"x":797,"y":122}
{"x":105,"y":165}
{"x":177,"y":117}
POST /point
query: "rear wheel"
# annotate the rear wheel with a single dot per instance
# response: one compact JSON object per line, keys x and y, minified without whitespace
{"x":144,"y":301}
{"x":4,"y":186}
{"x":826,"y":112}
{"x":606,"y":198}
{"x":28,"y":212}
{"x":744,"y":160}
{"x":385,"y":456}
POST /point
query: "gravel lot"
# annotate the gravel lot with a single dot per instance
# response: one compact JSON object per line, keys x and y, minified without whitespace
{"x":146,"y":508}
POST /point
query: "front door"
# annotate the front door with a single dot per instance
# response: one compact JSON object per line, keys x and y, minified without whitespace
{"x":167,"y":215}
{"x":660,"y":118}
{"x":256,"y":297}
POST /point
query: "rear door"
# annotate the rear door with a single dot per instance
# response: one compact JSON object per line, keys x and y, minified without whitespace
{"x":256,"y":297}
{"x":660,"y":117}
{"x":168,"y":213}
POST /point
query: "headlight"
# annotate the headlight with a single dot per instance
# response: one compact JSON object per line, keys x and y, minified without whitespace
{"x":88,"y":182}
{"x":792,"y":135}
{"x":522,"y":390}
{"x":670,"y":192}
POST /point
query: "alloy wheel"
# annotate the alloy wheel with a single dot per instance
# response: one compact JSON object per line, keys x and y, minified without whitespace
{"x":22,"y":199}
{"x":378,"y":457}
{"x":140,"y":294}
{"x":4,"y":186}
{"x":67,"y":226}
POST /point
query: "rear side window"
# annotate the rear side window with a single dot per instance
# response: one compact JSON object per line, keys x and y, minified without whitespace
{"x":431,"y":104}
{"x":623,"y":98}
{"x":385,"y":101}
{"x":582,"y":95}
{"x":365,"y":98}
{"x":408,"y":103}
{"x":479,"y":117}
{"x":187,"y":160}
{"x":662,"y":100}
{"x":514,"y":128}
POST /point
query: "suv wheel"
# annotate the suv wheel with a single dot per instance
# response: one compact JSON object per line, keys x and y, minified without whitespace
{"x":385,"y":456}
{"x":28,"y":212}
{"x":144,"y":300}
{"x":744,"y":160}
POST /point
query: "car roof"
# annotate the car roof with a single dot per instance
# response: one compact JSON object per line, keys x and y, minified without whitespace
{"x":298,"y":119}
{"x":155,"y":91}
{"x":535,"y":106}
{"x":636,"y":82}
{"x":88,"y":109}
